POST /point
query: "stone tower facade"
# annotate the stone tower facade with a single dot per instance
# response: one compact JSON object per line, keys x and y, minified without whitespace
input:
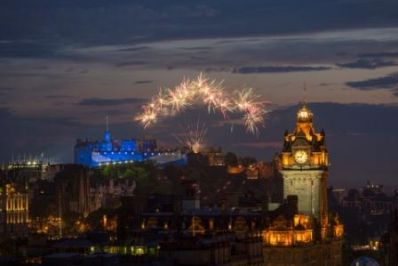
{"x":304,"y":168}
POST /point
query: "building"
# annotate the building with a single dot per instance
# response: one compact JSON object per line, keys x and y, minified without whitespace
{"x":107,"y":194}
{"x":370,"y":200}
{"x":392,"y":242}
{"x":213,"y":249}
{"x":303,"y":235}
{"x":94,"y":153}
{"x":14,"y":210}
{"x":215,"y":157}
{"x":27,"y":169}
{"x":366,"y":213}
{"x":73,"y":190}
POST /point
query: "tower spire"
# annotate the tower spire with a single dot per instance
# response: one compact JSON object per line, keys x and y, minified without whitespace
{"x":107,"y":123}
{"x":107,"y":134}
{"x":304,"y":101}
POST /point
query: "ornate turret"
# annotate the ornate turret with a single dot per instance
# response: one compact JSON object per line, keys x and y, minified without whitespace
{"x":304,"y":147}
{"x":304,"y":115}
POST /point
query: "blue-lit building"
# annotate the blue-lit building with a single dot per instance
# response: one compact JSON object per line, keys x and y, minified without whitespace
{"x":110,"y":151}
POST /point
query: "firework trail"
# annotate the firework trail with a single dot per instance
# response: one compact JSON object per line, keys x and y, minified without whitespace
{"x":212,"y":95}
{"x":194,"y":136}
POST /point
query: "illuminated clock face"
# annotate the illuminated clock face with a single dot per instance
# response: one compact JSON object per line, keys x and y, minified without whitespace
{"x":301,"y":156}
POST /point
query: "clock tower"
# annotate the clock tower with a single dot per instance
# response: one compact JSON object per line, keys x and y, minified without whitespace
{"x":304,"y":168}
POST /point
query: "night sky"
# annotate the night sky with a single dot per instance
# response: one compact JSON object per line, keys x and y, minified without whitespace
{"x":66,"y":64}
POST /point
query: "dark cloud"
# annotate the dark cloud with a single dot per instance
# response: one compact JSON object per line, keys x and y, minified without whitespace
{"x":27,"y":49}
{"x":59,"y":96}
{"x":381,"y":54}
{"x":387,"y":82}
{"x":60,"y":99}
{"x":133,"y":49}
{"x":59,"y":120}
{"x":143,"y":81}
{"x":105,"y":22}
{"x":110,"y":102}
{"x":25,"y":72}
{"x":5,"y":90}
{"x":5,"y":113}
{"x":277,"y":69}
{"x":76,"y":70}
{"x":325,"y":84}
{"x":217,"y":69}
{"x":131,"y":63}
{"x":342,"y":54}
{"x":368,"y":63}
{"x":201,"y":48}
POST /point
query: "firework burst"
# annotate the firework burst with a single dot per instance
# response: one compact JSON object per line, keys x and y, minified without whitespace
{"x":209,"y":93}
{"x":193,"y":137}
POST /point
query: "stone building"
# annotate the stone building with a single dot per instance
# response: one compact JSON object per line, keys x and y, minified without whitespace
{"x":14,"y":210}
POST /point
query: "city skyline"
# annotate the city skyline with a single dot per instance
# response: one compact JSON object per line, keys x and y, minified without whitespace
{"x":201,"y":132}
